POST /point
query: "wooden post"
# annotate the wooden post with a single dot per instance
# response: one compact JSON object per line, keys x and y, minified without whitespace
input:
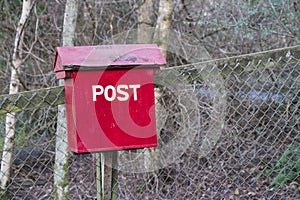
{"x":98,"y":176}
{"x":115,"y":171}
{"x":106,"y":163}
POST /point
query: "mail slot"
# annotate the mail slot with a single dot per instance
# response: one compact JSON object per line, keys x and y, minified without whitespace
{"x":109,"y":94}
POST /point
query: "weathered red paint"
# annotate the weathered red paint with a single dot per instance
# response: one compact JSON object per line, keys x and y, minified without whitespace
{"x":119,"y":113}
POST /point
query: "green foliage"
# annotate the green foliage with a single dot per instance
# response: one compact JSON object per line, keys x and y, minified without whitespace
{"x":2,"y":63}
{"x":2,"y":130}
{"x":7,"y":6}
{"x":20,"y":136}
{"x":288,"y":166}
{"x":30,"y":126}
{"x":4,"y":194}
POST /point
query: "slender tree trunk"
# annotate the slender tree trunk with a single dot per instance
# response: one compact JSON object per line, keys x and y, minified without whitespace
{"x":69,"y":26}
{"x":161,"y":36}
{"x":61,"y":152}
{"x":144,"y":36}
{"x":163,"y":25}
{"x":14,"y":88}
{"x":145,"y":22}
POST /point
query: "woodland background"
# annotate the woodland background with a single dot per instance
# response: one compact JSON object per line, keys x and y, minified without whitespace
{"x":203,"y":30}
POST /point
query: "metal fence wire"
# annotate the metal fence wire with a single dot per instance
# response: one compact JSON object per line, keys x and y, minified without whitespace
{"x":228,"y":129}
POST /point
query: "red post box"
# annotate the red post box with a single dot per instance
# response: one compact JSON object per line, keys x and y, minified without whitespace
{"x":109,"y":95}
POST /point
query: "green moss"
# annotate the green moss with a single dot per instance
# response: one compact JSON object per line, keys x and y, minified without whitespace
{"x":4,"y":195}
{"x":287,"y":167}
{"x":63,"y":184}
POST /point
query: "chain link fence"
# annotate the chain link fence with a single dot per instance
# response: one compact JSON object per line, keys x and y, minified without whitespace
{"x":228,"y":129}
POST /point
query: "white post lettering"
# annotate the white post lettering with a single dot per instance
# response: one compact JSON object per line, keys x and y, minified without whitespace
{"x":113,"y":93}
{"x":95,"y":92}
{"x":135,"y":87}
{"x":122,"y":92}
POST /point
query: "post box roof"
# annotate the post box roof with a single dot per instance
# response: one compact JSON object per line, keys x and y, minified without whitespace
{"x":108,"y":56}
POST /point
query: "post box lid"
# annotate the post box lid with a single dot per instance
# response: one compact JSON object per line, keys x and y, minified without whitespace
{"x":108,"y":56}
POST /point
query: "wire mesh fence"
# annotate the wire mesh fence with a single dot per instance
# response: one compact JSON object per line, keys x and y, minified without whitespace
{"x":228,"y":129}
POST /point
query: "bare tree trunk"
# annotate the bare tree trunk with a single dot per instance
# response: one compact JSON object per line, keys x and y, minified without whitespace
{"x":61,"y":152}
{"x":70,"y":19}
{"x":14,"y":88}
{"x":145,"y":22}
{"x":163,"y":25}
{"x":144,"y":36}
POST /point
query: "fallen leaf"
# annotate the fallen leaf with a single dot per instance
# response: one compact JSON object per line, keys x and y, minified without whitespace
{"x":237,"y":192}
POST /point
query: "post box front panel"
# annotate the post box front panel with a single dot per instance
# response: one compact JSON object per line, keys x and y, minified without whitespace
{"x":111,"y":110}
